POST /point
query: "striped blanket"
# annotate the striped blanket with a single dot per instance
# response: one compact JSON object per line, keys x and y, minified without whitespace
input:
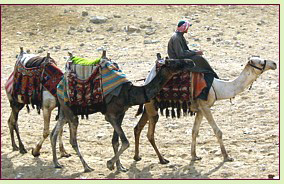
{"x":112,"y":77}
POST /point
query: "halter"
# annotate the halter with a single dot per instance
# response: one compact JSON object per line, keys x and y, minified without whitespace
{"x":261,"y":69}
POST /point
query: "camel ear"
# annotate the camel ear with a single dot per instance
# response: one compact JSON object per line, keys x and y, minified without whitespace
{"x":48,"y":55}
{"x":159,"y":56}
{"x":21,"y":49}
{"x":104,"y":54}
{"x":70,"y":54}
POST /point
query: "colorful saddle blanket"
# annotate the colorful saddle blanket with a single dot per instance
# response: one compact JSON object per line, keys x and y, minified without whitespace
{"x":85,"y":93}
{"x":179,"y":91}
{"x":26,"y":84}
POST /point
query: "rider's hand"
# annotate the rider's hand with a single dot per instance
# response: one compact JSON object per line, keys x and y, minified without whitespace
{"x":200,"y":52}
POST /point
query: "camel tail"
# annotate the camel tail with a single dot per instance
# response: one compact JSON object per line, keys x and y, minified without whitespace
{"x":140,"y":110}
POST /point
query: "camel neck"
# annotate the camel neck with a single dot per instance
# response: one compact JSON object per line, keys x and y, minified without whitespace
{"x":229,"y":89}
{"x":142,"y":94}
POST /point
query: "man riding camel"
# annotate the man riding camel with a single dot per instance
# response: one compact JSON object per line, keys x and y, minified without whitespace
{"x":178,"y":49}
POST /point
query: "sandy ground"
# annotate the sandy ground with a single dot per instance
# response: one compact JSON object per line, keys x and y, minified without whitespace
{"x":227,"y":34}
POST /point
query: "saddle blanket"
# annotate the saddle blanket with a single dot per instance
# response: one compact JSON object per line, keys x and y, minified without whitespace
{"x":26,"y":82}
{"x":86,"y":94}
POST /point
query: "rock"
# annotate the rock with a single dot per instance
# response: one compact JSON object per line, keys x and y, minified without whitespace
{"x":151,"y":41}
{"x":149,"y":19}
{"x":80,"y":30}
{"x":98,"y":19}
{"x":82,"y":44}
{"x":110,"y":29}
{"x":99,"y":37}
{"x":208,"y":39}
{"x":89,"y":29}
{"x":116,"y":16}
{"x":131,"y":29}
{"x":84,"y":13}
{"x":150,"y":31}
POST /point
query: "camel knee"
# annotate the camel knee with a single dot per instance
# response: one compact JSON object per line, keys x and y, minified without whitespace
{"x":125,"y":144}
{"x":150,"y":137}
{"x":45,"y":134}
{"x":219,"y":134}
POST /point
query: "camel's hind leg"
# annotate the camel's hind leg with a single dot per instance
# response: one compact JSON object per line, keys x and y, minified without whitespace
{"x":46,"y":117}
{"x":13,"y":125}
{"x":208,"y":115}
{"x":137,"y":131}
{"x":153,"y":119}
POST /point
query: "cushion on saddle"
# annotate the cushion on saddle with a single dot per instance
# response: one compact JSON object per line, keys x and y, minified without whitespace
{"x":84,"y":62}
{"x":179,"y":91}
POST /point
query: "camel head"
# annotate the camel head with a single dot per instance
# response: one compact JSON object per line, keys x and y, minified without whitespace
{"x":261,"y":65}
{"x":178,"y":65}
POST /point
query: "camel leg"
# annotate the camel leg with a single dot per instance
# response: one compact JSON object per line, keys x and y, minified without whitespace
{"x":116,"y":124}
{"x":153,"y":117}
{"x":53,"y":138}
{"x":62,"y":150}
{"x":195,"y":131}
{"x":46,"y":117}
{"x":150,"y":135}
{"x":13,"y":125}
{"x":137,"y":131}
{"x":115,"y":145}
{"x":208,"y":115}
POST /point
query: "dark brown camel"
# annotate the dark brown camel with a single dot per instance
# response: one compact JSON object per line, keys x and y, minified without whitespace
{"x":220,"y":90}
{"x":48,"y":104}
{"x":115,"y":110}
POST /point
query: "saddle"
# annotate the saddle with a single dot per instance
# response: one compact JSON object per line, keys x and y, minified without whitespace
{"x":86,"y":84}
{"x":179,"y":92}
{"x":30,"y":76}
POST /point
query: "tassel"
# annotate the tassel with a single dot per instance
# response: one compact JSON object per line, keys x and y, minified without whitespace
{"x":184,"y":108}
{"x":173,"y":113}
{"x":28,"y":108}
{"x":167,"y":113}
{"x":178,"y":109}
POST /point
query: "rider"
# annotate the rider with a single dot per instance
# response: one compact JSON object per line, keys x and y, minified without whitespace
{"x":178,"y":49}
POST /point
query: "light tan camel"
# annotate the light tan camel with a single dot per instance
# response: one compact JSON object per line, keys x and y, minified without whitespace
{"x":220,"y":90}
{"x":49,"y":102}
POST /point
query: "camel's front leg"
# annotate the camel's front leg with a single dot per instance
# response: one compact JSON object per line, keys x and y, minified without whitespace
{"x":116,"y":124}
{"x":137,"y":131}
{"x":195,"y":131}
{"x":208,"y":115}
{"x":13,"y":125}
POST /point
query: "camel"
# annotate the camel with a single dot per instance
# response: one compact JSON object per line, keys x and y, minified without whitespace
{"x":49,"y":102}
{"x":130,"y":95}
{"x":219,"y":90}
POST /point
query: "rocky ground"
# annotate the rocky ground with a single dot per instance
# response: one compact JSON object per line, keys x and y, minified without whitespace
{"x":133,"y":35}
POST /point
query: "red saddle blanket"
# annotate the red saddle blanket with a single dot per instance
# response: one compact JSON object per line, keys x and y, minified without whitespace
{"x":27,"y":83}
{"x":179,"y":91}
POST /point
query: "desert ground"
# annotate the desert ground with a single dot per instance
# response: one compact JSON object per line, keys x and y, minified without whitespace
{"x":132,"y":35}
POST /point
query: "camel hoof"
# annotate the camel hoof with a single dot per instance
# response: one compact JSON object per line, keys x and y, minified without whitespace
{"x":137,"y":158}
{"x":122,"y":169}
{"x":196,"y":158}
{"x":164,"y":161}
{"x":37,"y":154}
{"x":88,"y":169}
{"x":110,"y":165}
{"x":23,"y":151}
{"x":15,"y":148}
{"x":58,"y":166}
{"x":66,"y":155}
{"x":228,"y":159}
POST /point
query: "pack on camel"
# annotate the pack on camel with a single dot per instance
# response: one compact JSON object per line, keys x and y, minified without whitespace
{"x":219,"y":90}
{"x":112,"y":106}
{"x":33,"y":82}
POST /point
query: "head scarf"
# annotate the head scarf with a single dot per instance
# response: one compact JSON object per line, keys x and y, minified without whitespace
{"x":183,"y":25}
